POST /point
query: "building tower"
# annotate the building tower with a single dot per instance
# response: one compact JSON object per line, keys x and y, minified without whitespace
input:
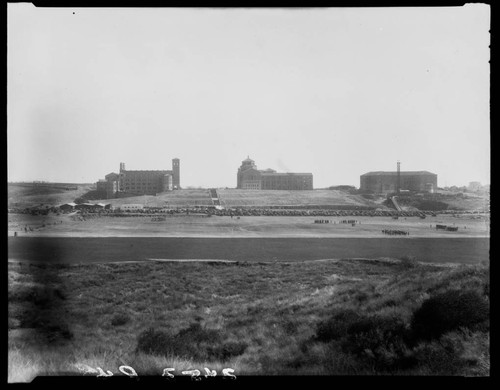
{"x":122,"y":167}
{"x":176,"y":180}
{"x":246,"y":164}
{"x":398,"y":187}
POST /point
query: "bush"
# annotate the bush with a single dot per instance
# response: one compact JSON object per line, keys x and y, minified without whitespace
{"x":155,"y":342}
{"x":486,"y":289}
{"x":361,"y":297}
{"x":13,"y":323}
{"x":448,"y":311}
{"x":378,"y":341}
{"x":194,"y":342}
{"x":409,"y":261}
{"x":290,"y":327}
{"x":336,"y":326}
{"x":57,"y":332}
{"x":442,"y":357}
{"x":120,"y":319}
{"x":59,"y":294}
{"x":381,"y":340}
{"x":38,"y":296}
{"x":197,"y":334}
{"x":227,"y":350}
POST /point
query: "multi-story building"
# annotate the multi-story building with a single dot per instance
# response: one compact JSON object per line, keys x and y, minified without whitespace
{"x":250,"y":178}
{"x":474,"y":186}
{"x":141,"y":182}
{"x":144,"y":182}
{"x":387,"y":182}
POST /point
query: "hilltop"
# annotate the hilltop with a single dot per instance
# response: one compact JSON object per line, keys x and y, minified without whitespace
{"x":249,"y":198}
{"x":23,"y":195}
{"x":263,"y":198}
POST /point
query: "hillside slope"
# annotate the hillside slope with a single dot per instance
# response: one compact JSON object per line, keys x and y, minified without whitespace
{"x":263,"y":198}
{"x":28,"y":196}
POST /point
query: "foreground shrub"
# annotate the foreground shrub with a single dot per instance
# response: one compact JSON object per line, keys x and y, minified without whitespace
{"x":448,"y":311}
{"x":456,"y":353}
{"x":336,"y":326}
{"x":13,"y":323}
{"x":159,"y":342}
{"x":57,"y":333}
{"x":378,"y":341}
{"x":486,"y":289}
{"x":381,"y":340}
{"x":194,"y":342}
{"x":120,"y":319}
{"x":39,"y":296}
{"x":198,"y":334}
{"x":409,"y":261}
{"x":226,"y":350}
{"x":155,"y":342}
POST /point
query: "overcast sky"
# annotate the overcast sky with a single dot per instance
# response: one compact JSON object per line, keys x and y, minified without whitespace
{"x":337,"y":92}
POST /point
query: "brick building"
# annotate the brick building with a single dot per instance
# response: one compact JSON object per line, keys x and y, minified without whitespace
{"x":141,"y":182}
{"x":387,"y":182}
{"x":250,"y":178}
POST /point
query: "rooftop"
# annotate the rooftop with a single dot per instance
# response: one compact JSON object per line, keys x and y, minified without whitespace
{"x":248,"y":159}
{"x":394,"y":173}
{"x":284,"y":174}
{"x":150,"y":171}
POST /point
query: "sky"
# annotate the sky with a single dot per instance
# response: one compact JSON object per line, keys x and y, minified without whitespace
{"x":336,"y":92}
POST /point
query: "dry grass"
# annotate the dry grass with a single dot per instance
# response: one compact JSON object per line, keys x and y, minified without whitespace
{"x":273,"y":308}
{"x":21,"y":196}
{"x":238,"y":198}
{"x":172,"y":199}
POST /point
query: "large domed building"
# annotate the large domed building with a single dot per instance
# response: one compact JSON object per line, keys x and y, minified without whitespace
{"x":251,"y":178}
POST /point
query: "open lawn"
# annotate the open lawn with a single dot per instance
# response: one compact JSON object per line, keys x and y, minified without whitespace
{"x":172,"y":199}
{"x":263,"y":198}
{"x":257,"y":318}
{"x":248,"y":226}
{"x":241,"y":198}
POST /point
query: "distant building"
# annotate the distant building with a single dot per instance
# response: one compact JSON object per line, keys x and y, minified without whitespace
{"x":140,"y":182}
{"x":386,"y":182}
{"x":250,"y":178}
{"x":474,"y":186}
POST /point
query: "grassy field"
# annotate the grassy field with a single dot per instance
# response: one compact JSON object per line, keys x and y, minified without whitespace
{"x":173,"y":199}
{"x":469,"y":202}
{"x":239,"y":198}
{"x":351,"y":317}
{"x":248,"y":226}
